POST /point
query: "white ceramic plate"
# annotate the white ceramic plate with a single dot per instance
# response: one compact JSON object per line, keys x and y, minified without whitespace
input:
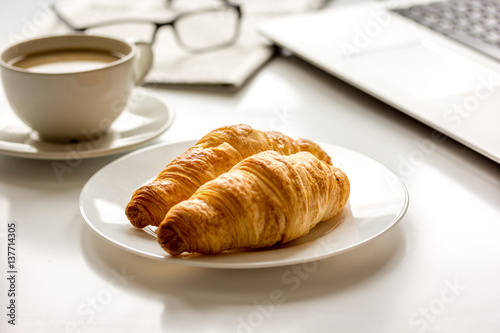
{"x":145,"y":118}
{"x":378,"y":201}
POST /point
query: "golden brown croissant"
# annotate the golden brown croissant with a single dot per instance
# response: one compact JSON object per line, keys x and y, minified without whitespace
{"x":216,"y":153}
{"x":265,"y":199}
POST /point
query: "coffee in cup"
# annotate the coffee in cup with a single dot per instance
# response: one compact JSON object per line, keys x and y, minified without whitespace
{"x":65,"y":61}
{"x":72,"y":87}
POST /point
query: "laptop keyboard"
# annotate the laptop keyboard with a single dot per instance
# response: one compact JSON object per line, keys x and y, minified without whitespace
{"x":475,"y":23}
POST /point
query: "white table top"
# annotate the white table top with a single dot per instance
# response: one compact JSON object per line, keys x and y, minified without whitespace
{"x":436,"y":271}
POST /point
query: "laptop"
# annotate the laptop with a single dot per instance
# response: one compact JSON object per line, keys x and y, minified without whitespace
{"x":399,"y":53}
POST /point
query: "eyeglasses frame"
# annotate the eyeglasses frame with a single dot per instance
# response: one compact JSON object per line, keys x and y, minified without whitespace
{"x":158,"y":25}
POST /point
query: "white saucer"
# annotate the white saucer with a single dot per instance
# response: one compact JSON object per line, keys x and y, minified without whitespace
{"x":145,"y":118}
{"x":378,"y":202}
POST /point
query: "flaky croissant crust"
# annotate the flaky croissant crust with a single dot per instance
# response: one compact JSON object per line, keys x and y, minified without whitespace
{"x":266,"y":199}
{"x":216,"y":153}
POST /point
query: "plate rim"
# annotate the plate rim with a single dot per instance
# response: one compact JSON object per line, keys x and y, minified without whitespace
{"x":231,"y":265}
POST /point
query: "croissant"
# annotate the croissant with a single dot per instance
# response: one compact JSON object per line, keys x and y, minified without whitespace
{"x":265,"y":199}
{"x":216,"y":153}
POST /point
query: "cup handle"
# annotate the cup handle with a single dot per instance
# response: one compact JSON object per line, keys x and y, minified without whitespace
{"x":143,"y":61}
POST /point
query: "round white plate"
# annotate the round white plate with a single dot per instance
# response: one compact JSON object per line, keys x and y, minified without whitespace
{"x":378,"y":201}
{"x":145,"y":118}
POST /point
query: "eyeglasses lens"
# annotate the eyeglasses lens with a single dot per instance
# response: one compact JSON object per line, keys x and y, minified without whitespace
{"x":207,"y":29}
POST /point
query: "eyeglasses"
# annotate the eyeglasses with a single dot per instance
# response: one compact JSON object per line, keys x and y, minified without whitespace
{"x":196,"y":31}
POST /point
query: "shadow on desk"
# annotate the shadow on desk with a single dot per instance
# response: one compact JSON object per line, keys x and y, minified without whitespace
{"x":190,"y":294}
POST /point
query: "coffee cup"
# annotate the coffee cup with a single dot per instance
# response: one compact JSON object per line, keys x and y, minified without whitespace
{"x":72,"y":87}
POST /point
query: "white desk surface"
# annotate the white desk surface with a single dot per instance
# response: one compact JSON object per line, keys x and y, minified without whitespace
{"x":437,"y":271}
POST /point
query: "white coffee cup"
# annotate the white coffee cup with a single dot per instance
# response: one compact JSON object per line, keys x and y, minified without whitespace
{"x":72,"y":87}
